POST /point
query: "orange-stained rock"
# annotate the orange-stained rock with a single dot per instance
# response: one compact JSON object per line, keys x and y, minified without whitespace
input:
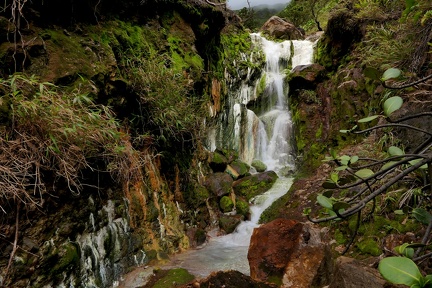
{"x":271,"y":247}
{"x":291,"y":252}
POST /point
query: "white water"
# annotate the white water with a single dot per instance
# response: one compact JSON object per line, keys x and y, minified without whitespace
{"x":267,"y":137}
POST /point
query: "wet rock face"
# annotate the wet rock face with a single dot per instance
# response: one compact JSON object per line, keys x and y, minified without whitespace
{"x":281,"y":29}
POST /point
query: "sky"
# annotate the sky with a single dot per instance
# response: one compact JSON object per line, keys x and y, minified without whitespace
{"x":238,"y":4}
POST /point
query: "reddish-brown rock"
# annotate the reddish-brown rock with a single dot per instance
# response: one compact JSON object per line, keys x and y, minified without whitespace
{"x":271,"y":247}
{"x":290,"y":251}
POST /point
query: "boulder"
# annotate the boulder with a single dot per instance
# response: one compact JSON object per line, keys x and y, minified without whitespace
{"x":253,"y":185}
{"x":296,"y":257}
{"x":281,"y":29}
{"x":351,"y":273}
{"x":306,"y":76}
{"x":240,"y":167}
{"x":270,"y":260}
{"x":217,"y":162}
{"x":226,"y":204}
{"x":259,"y":165}
{"x":219,"y":184}
{"x":230,"y":279}
{"x":228,"y":223}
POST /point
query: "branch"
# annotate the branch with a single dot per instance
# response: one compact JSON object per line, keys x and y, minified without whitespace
{"x":402,"y":86}
{"x":360,"y":205}
{"x":393,"y":125}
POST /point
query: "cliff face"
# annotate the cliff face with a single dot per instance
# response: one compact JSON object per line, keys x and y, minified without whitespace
{"x":119,"y":184}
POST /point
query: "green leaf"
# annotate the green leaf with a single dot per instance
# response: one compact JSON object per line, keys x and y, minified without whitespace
{"x":415,"y":161}
{"x":328,"y":184}
{"x":387,"y":165}
{"x":391,"y":74}
{"x":344,"y":131}
{"x":422,"y":215}
{"x":395,"y":151}
{"x":341,"y":206}
{"x":399,"y":212}
{"x":364,"y":173}
{"x":400,"y":270}
{"x":341,"y":168}
{"x":307,"y":211}
{"x":354,"y":159}
{"x":368,"y":119}
{"x":334,"y":177}
{"x":371,"y":73}
{"x":405,"y":250}
{"x":392,"y":104}
{"x":324,"y":201}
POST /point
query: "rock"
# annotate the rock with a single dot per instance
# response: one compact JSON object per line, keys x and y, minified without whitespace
{"x":229,"y":223}
{"x":253,"y":185}
{"x":281,"y":29}
{"x":230,"y":154}
{"x":240,"y":167}
{"x":242,"y":208}
{"x":226,"y":204}
{"x":217,"y":162}
{"x":259,"y":165}
{"x":310,"y":264}
{"x":306,"y":76}
{"x":232,"y":172}
{"x":267,"y":261}
{"x":219,"y":184}
{"x":297,"y":257}
{"x":350,"y":273}
{"x":232,"y":279}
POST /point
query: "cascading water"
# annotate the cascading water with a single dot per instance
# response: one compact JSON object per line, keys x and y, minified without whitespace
{"x":267,"y":137}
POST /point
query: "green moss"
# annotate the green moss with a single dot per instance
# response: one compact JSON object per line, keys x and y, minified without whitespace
{"x":242,"y":207}
{"x":226,"y":204}
{"x":369,"y":246}
{"x":173,"y":278}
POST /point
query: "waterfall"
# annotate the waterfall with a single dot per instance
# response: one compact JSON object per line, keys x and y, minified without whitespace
{"x":266,"y":135}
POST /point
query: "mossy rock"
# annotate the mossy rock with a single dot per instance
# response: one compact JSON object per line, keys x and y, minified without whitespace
{"x":240,"y":167}
{"x":219,"y":184}
{"x":229,"y":223}
{"x":242,"y":207}
{"x":259,"y":165}
{"x":230,"y":154}
{"x":218,"y":162}
{"x":226,"y":204}
{"x":172,"y":278}
{"x":253,"y":185}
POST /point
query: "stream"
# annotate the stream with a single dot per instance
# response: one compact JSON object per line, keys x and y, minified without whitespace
{"x":267,"y":137}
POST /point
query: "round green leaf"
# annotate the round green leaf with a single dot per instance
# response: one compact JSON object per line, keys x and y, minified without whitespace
{"x":364,"y":173}
{"x":354,"y":159}
{"x":329,"y":185}
{"x":324,"y":201}
{"x":392,"y":104}
{"x":400,"y":270}
{"x":387,"y":165}
{"x":390,"y":74}
{"x":395,"y":151}
{"x":368,"y":119}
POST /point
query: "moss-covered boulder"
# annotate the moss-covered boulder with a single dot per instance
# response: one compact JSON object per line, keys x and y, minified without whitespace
{"x":306,"y":76}
{"x":242,"y":208}
{"x":253,"y":185}
{"x":219,"y":184}
{"x":241,"y":167}
{"x":226,"y":204}
{"x":259,"y":165}
{"x":217,"y":162}
{"x":230,"y":154}
{"x":228,"y":223}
